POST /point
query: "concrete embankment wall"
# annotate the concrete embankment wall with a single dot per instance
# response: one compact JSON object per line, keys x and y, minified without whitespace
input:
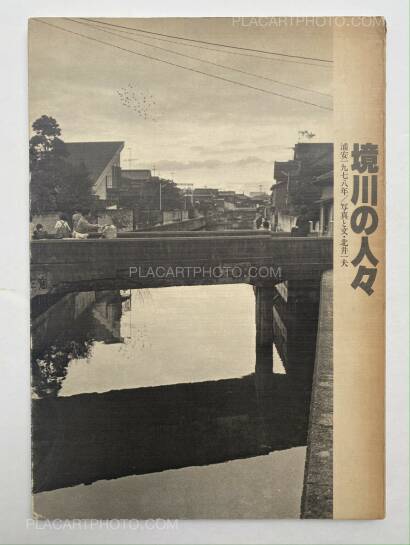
{"x":123,"y":218}
{"x":171,"y":216}
{"x":317,"y":499}
{"x":193,"y":224}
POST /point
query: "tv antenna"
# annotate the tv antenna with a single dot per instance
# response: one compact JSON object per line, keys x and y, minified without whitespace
{"x":130,"y":159}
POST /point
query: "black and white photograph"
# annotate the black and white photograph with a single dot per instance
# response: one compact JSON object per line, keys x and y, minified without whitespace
{"x":204,"y":236}
{"x":181,"y":216}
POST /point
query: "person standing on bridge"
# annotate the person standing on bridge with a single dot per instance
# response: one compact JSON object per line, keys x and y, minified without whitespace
{"x":82,"y":227}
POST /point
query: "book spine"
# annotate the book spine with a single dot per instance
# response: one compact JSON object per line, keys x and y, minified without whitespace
{"x":359,"y":267}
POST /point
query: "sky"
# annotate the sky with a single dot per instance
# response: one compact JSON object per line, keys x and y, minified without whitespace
{"x":188,"y":126}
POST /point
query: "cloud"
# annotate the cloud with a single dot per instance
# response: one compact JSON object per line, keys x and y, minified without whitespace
{"x":206,"y":131}
{"x":250,"y":160}
{"x":209,"y":164}
{"x":188,"y":165}
{"x":223,"y":148}
{"x":230,"y":142}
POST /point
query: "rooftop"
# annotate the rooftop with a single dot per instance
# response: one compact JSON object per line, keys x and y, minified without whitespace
{"x":315,"y":157}
{"x":94,"y":155}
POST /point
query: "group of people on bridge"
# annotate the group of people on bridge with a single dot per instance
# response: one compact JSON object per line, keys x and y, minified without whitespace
{"x":81,"y":228}
{"x":261,"y":223}
{"x":302,"y":227}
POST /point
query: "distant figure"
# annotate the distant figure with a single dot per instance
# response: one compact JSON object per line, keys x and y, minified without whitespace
{"x":39,"y":232}
{"x":62,"y":228}
{"x":266,"y":225}
{"x":82,"y":227}
{"x":302,"y":223}
{"x":109,"y":230}
{"x":258,"y":221}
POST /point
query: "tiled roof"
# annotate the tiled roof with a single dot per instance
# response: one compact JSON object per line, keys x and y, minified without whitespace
{"x":95,"y":155}
{"x":282,"y":169}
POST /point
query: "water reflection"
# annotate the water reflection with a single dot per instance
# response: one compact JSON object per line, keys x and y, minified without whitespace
{"x":68,"y":331}
{"x":172,"y":380}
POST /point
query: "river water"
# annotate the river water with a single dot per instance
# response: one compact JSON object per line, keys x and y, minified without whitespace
{"x":146,"y":404}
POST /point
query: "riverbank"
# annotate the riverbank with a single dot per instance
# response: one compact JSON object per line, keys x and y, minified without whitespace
{"x":317,"y":498}
{"x":193,"y":224}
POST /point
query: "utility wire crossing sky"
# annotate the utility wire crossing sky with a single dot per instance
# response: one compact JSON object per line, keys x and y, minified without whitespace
{"x":208,"y":127}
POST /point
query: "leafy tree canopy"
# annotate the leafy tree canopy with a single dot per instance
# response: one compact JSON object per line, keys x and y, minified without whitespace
{"x":55,"y":184}
{"x":303,"y":194}
{"x":171,"y":195}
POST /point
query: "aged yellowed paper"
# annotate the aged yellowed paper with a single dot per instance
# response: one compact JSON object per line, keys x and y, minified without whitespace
{"x":359,"y":318}
{"x":207,"y":207}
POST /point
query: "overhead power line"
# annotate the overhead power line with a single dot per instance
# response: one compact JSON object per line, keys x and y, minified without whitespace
{"x":196,"y":46}
{"x":246,"y":85}
{"x":213,"y":43}
{"x":201,"y":60}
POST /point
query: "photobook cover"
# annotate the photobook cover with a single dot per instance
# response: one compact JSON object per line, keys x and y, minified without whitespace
{"x":207,"y":237}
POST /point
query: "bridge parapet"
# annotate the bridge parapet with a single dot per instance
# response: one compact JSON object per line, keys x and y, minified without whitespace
{"x":196,"y":234}
{"x":62,"y":266}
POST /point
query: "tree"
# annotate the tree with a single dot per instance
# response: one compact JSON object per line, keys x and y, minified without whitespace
{"x":304,"y":193}
{"x":49,"y":366}
{"x":45,"y":139}
{"x":55,"y":184}
{"x":47,"y":153}
{"x":171,"y":195}
{"x":75,"y":191}
{"x":206,"y":208}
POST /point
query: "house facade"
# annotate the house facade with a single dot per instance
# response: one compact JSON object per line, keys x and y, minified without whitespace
{"x":283,"y":217}
{"x":324,"y":225}
{"x":306,"y":180}
{"x":102,"y":161}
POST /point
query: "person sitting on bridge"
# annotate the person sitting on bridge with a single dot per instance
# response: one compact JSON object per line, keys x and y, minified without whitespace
{"x":82,"y":227}
{"x":62,"y":228}
{"x":258,"y":221}
{"x":39,"y":232}
{"x":109,"y":230}
{"x":302,"y":223}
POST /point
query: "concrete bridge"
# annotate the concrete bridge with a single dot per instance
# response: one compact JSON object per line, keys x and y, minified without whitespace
{"x":154,"y":260}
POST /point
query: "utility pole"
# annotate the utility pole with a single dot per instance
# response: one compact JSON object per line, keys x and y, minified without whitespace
{"x":287,"y":185}
{"x":130,"y":159}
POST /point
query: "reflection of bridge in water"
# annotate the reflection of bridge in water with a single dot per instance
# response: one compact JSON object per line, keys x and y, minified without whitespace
{"x":89,"y":437}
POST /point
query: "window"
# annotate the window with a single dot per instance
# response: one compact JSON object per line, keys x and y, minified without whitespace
{"x":108,"y":182}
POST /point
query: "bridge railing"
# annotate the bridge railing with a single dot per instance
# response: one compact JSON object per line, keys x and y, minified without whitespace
{"x":61,"y":266}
